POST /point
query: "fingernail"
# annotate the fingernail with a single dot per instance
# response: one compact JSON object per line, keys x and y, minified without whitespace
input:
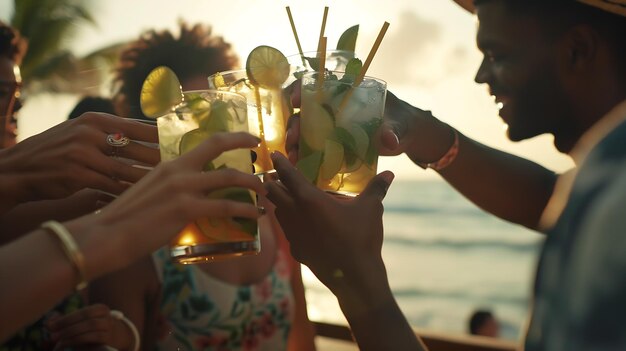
{"x":396,"y":136}
{"x":274,"y":155}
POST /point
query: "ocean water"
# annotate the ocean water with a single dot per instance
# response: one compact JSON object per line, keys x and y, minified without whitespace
{"x":445,"y":258}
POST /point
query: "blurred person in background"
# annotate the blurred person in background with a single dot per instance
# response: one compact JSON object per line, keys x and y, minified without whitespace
{"x":92,"y":104}
{"x":484,"y":323}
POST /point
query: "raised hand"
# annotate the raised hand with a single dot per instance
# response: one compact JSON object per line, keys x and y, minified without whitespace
{"x":334,"y":237}
{"x":170,"y":196}
{"x":76,"y":154}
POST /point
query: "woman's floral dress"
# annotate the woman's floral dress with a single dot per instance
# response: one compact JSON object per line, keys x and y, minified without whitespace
{"x":199,"y":312}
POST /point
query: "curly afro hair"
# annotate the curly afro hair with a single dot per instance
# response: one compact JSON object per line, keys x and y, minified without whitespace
{"x":194,"y":52}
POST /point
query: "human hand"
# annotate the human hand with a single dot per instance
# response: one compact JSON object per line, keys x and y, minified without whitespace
{"x":156,"y":208}
{"x":75,"y":155}
{"x":339,"y":239}
{"x":415,"y":132}
{"x":93,"y":326}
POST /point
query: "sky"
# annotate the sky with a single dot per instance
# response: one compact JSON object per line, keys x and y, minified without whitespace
{"x":428,"y":56}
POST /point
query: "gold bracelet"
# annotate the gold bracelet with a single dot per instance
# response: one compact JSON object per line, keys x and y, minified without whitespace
{"x":70,"y":248}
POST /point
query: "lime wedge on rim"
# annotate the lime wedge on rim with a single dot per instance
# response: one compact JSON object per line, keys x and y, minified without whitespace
{"x":267,"y":67}
{"x":161,"y":91}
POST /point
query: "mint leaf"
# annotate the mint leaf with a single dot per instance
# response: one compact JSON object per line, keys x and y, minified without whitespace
{"x":354,"y":67}
{"x":314,"y":62}
{"x":347,"y":41}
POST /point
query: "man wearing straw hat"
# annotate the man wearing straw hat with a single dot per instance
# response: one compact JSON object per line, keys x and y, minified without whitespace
{"x":556,"y":67}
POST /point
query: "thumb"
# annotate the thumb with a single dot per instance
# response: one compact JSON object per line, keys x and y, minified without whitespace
{"x":389,"y":140}
{"x":378,"y":186}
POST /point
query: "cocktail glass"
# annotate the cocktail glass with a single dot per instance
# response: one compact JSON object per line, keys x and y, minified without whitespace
{"x":338,"y":130}
{"x":268,"y":113}
{"x":269,"y":109}
{"x":202,"y":114}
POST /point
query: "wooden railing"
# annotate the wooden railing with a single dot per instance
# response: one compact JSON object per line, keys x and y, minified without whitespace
{"x":434,"y":341}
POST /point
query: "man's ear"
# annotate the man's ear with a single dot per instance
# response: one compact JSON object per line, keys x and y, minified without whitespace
{"x":580,"y":47}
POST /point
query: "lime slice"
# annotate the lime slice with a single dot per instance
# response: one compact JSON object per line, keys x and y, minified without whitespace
{"x":317,"y":126}
{"x":245,"y":225}
{"x":332,"y":161}
{"x":225,"y":229}
{"x":191,"y":140}
{"x":216,"y":81}
{"x":161,"y":91}
{"x":267,"y":67}
{"x":310,"y":165}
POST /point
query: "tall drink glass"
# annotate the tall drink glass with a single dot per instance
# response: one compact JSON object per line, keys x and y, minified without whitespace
{"x":268,"y":112}
{"x":269,"y":109}
{"x":338,"y":130}
{"x":202,"y":114}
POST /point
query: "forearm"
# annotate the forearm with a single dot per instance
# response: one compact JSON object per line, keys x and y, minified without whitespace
{"x":35,"y":273}
{"x":12,"y":190}
{"x":376,"y":321}
{"x":510,"y":187}
{"x":302,"y":334}
{"x":26,"y":217}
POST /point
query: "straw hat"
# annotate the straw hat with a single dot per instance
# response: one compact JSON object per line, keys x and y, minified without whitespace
{"x":615,"y":6}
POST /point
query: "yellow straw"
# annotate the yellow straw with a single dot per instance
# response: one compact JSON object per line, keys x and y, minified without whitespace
{"x":366,"y":65}
{"x":319,"y":41}
{"x":295,"y":34}
{"x":322,"y":68}
{"x":370,"y":57}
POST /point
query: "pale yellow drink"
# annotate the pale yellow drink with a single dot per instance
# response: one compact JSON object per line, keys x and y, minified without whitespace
{"x":202,"y":114}
{"x":338,"y":131}
{"x":268,"y":113}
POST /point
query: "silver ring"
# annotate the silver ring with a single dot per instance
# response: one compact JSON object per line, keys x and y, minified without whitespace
{"x":117,"y":140}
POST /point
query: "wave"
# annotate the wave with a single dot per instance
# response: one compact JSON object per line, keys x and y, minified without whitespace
{"x":522,"y":247}
{"x":404,"y":293}
{"x":493,"y":298}
{"x":434,"y":210}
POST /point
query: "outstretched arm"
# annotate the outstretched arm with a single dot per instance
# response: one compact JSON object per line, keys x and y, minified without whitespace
{"x":132,"y":226}
{"x":510,"y":187}
{"x":340,"y":241}
{"x":26,"y":217}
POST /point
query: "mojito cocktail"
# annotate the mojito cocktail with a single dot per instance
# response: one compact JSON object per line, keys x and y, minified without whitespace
{"x":338,"y":130}
{"x":268,"y":112}
{"x":200,"y":115}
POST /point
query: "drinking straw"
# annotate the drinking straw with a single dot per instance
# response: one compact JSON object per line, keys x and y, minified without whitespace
{"x":295,"y":34}
{"x":322,"y":67}
{"x":319,"y":41}
{"x":366,"y":65}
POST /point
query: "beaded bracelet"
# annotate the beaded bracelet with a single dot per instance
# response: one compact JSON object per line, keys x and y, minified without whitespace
{"x":70,"y":248}
{"x":447,"y":158}
{"x":120,"y":317}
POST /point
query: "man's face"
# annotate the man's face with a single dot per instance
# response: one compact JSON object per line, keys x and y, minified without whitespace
{"x":10,"y":103}
{"x":520,"y":67}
